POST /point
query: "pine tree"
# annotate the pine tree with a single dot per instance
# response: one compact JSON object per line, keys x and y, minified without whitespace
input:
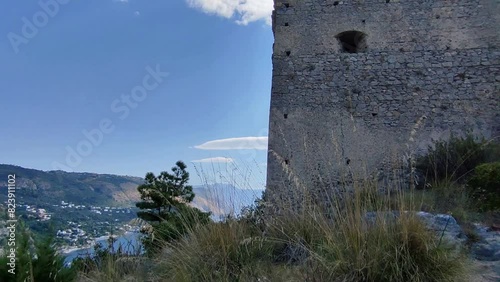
{"x":164,"y":194}
{"x":36,"y":260}
{"x":165,"y":205}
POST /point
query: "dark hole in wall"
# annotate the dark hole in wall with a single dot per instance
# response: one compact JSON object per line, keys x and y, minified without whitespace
{"x":285,"y":116}
{"x":288,"y":53}
{"x":352,"y":41}
{"x":287,"y":5}
{"x":286,"y":24}
{"x":287,"y":162}
{"x":387,"y":1}
{"x":335,"y":3}
{"x":374,"y":114}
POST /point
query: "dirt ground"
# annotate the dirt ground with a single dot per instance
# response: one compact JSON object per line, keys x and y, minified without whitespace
{"x":486,"y":271}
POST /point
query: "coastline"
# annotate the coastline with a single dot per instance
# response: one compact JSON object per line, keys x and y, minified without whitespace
{"x":71,"y":252}
{"x":69,"y":249}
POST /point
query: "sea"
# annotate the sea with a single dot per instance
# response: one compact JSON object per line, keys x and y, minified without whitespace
{"x":129,"y":242}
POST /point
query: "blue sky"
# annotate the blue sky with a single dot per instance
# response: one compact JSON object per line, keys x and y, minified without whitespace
{"x":84,"y":85}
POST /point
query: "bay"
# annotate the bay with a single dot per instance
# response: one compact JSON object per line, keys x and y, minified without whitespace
{"x":130,"y":243}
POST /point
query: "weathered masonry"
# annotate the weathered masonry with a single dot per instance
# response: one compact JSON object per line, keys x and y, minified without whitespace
{"x":359,"y":84}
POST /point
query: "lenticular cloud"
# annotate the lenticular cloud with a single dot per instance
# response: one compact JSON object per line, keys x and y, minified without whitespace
{"x":240,"y":143}
{"x":243,"y":11}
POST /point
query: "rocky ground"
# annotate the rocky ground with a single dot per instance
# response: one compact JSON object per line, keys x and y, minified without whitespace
{"x":486,"y":254}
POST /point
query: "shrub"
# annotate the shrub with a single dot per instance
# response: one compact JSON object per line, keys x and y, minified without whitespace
{"x":254,"y":214}
{"x":174,"y":227}
{"x":455,"y":159}
{"x":446,"y":197}
{"x":485,"y":186}
{"x":401,"y":249}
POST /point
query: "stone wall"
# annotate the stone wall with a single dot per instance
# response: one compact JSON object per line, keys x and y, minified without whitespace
{"x":423,"y":69}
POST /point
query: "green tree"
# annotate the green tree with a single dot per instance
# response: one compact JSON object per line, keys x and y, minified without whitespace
{"x":36,"y":260}
{"x":49,"y":265}
{"x":163,"y":194}
{"x":165,"y":205}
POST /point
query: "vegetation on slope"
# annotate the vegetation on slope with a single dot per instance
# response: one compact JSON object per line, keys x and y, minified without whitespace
{"x":51,"y":187}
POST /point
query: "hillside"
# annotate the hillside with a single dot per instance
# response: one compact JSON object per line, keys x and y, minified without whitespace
{"x":52,"y":187}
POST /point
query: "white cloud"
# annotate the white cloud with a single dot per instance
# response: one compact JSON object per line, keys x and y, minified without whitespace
{"x":243,"y":11}
{"x":214,"y":160}
{"x":121,"y":1}
{"x":137,"y":13}
{"x":241,"y":143}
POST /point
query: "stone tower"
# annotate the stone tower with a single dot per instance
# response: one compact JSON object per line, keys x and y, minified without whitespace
{"x":359,"y":84}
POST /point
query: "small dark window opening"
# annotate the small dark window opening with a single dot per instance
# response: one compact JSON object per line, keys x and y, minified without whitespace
{"x":335,"y":3}
{"x":288,"y":53}
{"x":287,"y":162}
{"x":286,"y":24}
{"x":285,"y":116}
{"x":387,"y":1}
{"x":374,"y":114}
{"x":461,"y":76}
{"x":352,"y":41}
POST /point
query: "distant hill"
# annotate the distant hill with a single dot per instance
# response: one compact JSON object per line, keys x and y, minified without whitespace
{"x":223,"y":199}
{"x":51,"y":187}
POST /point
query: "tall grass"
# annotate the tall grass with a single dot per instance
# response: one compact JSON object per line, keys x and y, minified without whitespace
{"x":392,"y":245}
